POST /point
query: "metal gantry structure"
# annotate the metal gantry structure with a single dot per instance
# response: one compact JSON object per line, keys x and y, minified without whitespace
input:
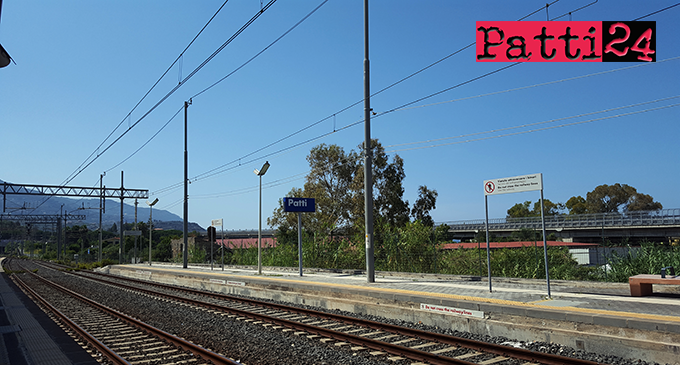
{"x":56,"y":219}
{"x":101,"y":192}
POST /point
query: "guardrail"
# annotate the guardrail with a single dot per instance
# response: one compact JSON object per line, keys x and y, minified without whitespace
{"x":663,"y":217}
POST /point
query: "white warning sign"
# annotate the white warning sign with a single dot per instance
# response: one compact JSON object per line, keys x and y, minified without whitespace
{"x":515,"y":184}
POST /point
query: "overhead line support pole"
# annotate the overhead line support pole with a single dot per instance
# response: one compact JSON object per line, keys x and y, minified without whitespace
{"x":101,"y":192}
{"x":121,"y":249}
{"x":186,"y":187}
{"x":368,"y":155}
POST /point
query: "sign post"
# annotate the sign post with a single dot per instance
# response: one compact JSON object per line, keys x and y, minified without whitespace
{"x":515,"y":184}
{"x":299,"y":206}
{"x":220,"y":222}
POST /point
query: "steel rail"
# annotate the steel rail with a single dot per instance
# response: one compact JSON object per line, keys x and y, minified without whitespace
{"x":500,"y":350}
{"x":185,"y":345}
{"x":105,"y":350}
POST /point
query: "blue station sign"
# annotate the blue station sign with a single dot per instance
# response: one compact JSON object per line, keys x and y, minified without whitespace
{"x":299,"y":205}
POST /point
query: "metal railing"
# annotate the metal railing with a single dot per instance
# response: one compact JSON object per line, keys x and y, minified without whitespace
{"x":663,"y":217}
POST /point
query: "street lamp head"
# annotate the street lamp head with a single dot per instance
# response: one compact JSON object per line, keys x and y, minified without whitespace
{"x":152,"y":203}
{"x":263,"y":170}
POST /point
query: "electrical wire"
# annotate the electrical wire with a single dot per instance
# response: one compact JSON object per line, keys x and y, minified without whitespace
{"x":538,"y":129}
{"x":210,"y":172}
{"x":541,"y":84}
{"x":171,"y":92}
{"x":297,"y":176}
{"x":656,"y":12}
{"x":537,"y":123}
{"x":70,"y":178}
{"x":148,"y":141}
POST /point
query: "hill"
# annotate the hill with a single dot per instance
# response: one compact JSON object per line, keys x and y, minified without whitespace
{"x":89,"y":207}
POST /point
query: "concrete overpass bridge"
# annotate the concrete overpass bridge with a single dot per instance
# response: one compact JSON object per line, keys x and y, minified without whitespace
{"x":659,"y":225}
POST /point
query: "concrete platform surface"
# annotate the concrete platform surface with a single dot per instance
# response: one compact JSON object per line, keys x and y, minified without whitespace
{"x":589,"y":316}
{"x":584,"y":298}
{"x":29,"y":336}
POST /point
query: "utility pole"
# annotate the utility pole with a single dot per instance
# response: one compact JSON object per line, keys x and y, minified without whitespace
{"x":122,"y":238}
{"x":368,"y":155}
{"x":135,"y":228}
{"x":101,"y":211}
{"x":186,"y":187}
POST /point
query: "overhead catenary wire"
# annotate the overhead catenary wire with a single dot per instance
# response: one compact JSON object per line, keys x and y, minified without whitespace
{"x":295,"y":177}
{"x":541,"y":84}
{"x":209,"y":172}
{"x":537,"y":123}
{"x":234,"y":71}
{"x":128,"y":115}
{"x":539,"y":129}
{"x":224,"y":168}
{"x":173,"y":90}
{"x":334,"y":114}
{"x":85,"y":164}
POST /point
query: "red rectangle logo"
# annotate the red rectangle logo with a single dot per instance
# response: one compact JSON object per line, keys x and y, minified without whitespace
{"x":511,"y":41}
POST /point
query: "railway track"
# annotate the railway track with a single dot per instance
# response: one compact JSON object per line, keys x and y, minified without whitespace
{"x":111,"y":336}
{"x":385,"y":341}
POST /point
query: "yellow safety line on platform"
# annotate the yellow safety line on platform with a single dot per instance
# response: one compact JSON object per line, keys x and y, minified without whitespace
{"x":656,"y":317}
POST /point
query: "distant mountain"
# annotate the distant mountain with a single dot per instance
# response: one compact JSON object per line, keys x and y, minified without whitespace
{"x":89,"y":207}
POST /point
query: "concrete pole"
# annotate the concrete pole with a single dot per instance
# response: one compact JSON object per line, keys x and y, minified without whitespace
{"x":135,"y":228}
{"x":101,"y":197}
{"x":121,"y":247}
{"x":259,"y":233}
{"x":368,"y":155}
{"x":150,"y":231}
{"x":186,"y":189}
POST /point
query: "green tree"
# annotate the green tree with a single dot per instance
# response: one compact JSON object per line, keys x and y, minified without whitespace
{"x":163,"y":250}
{"x":642,"y":202}
{"x":520,"y":210}
{"x":426,"y":201}
{"x":549,"y":208}
{"x":608,"y":198}
{"x":612,"y":198}
{"x":329,"y":183}
{"x":336,"y":182}
{"x":577,"y":205}
{"x":388,"y":204}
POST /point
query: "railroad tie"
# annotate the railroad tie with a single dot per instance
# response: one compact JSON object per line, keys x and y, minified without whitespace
{"x":468,"y":355}
{"x":493,"y":361}
{"x":440,"y":351}
{"x":424,"y":345}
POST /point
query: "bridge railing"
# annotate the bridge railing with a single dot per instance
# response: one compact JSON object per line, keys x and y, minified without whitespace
{"x":663,"y":217}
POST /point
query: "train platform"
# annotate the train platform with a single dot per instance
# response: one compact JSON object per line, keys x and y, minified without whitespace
{"x":28,"y":336}
{"x":589,"y":316}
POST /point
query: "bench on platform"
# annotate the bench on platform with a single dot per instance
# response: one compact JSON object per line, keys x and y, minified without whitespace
{"x":641,"y":285}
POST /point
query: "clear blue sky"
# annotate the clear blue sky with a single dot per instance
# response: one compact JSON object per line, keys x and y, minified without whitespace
{"x":81,"y":66}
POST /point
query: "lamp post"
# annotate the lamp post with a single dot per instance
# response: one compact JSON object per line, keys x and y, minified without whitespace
{"x":150,"y":224}
{"x":260,"y":173}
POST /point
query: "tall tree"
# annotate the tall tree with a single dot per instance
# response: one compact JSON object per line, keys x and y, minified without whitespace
{"x":329,"y":182}
{"x":613,"y":198}
{"x":336,"y":181}
{"x":520,"y":210}
{"x":388,"y":191}
{"x":609,"y":198}
{"x":549,"y":208}
{"x":426,"y":201}
{"x":577,"y":205}
{"x":642,"y":202}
